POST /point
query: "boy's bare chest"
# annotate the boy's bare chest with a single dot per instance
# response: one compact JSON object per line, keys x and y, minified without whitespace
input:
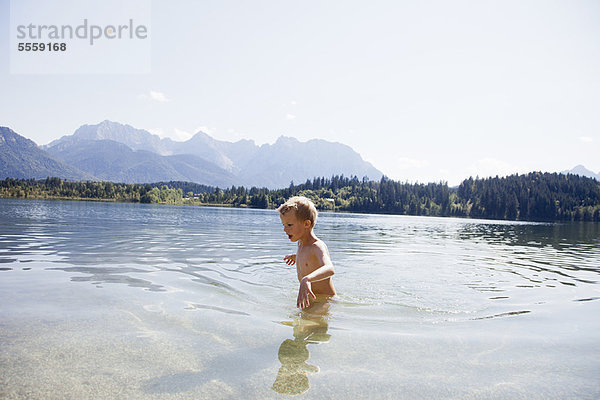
{"x":304,"y":262}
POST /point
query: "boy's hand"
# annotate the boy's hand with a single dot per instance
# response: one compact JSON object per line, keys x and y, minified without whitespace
{"x":303,"y":294}
{"x":290,"y":259}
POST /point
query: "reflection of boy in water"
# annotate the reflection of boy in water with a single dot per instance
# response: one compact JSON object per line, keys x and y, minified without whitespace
{"x":313,"y":264}
{"x":293,"y":354}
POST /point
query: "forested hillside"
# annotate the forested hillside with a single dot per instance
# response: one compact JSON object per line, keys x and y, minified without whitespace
{"x":532,"y":197}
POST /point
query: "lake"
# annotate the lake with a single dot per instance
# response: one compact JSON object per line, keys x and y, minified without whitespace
{"x":108,"y":300}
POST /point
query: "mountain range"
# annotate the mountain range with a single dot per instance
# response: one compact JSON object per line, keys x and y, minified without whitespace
{"x":121,"y":153}
{"x":583,"y":171}
{"x":22,"y":158}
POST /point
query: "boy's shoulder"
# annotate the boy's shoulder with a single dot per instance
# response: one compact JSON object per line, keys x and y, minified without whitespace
{"x":317,"y":246}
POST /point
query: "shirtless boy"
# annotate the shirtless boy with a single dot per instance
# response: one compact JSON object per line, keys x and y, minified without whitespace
{"x":313,"y":264}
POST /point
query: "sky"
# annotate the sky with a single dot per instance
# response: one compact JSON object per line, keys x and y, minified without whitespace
{"x":426,"y":91}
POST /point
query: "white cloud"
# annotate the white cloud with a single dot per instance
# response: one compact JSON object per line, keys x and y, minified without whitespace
{"x":158,"y":96}
{"x":290,"y":117}
{"x":586,"y":139}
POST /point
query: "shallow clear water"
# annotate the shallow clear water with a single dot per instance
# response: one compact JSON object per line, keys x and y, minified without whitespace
{"x":103,"y":300}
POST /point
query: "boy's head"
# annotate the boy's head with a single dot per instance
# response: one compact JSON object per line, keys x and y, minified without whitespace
{"x":303,"y":208}
{"x":298,"y":216}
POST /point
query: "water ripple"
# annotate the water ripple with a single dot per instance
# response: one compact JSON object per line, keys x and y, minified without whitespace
{"x":387,"y":267}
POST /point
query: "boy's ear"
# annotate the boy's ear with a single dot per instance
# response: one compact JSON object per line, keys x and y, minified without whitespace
{"x":307,"y":223}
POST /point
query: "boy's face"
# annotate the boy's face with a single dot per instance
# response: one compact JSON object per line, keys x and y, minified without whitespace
{"x":294,"y":227}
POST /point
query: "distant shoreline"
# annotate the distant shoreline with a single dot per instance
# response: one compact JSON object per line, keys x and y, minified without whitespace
{"x":534,"y":197}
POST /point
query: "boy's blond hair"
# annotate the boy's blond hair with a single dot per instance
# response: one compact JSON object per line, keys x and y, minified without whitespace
{"x":303,"y":207}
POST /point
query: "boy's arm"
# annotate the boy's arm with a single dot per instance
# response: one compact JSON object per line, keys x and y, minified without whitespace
{"x":323,"y":272}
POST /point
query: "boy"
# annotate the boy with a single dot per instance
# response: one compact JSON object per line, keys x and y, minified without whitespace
{"x":313,"y":264}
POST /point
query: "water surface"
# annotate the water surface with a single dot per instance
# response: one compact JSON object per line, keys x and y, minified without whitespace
{"x":104,"y":300}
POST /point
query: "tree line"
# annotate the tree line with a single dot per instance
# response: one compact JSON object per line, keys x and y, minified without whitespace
{"x":530,"y":197}
{"x":56,"y":188}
